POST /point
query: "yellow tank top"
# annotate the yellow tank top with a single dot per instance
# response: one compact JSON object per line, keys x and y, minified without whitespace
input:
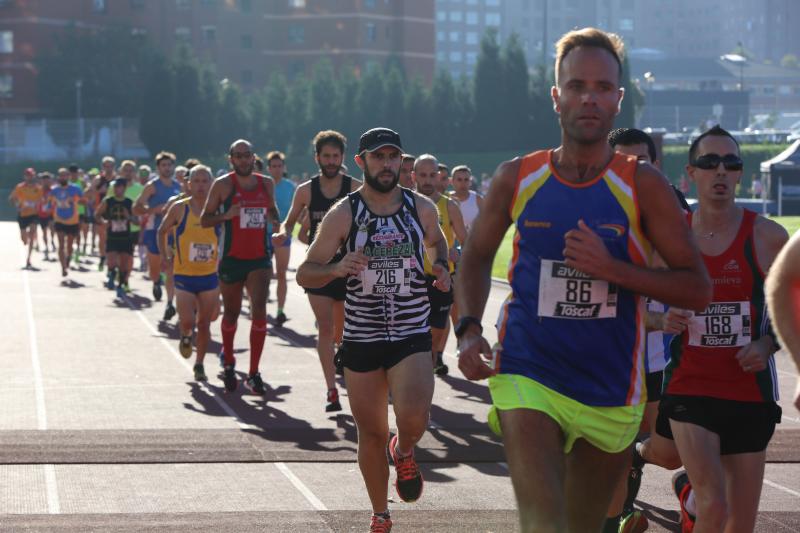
{"x":447,"y":229}
{"x":195,"y":246}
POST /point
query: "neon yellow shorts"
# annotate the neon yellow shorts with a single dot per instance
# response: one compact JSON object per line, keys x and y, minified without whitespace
{"x":611,"y":429}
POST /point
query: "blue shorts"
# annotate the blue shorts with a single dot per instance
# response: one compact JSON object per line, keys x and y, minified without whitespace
{"x":287,"y":243}
{"x":196,"y":284}
{"x":150,"y":240}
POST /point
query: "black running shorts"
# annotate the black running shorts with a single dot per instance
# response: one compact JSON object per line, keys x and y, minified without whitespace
{"x":743,"y":427}
{"x":369,"y":356}
{"x":440,"y":303}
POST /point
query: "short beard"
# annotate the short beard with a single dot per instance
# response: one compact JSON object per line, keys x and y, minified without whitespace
{"x":239,"y":171}
{"x":373,"y":182}
{"x":323,"y":172}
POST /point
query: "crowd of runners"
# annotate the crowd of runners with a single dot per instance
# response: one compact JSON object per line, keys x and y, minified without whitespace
{"x":635,"y":331}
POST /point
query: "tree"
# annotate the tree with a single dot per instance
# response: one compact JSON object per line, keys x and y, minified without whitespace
{"x":488,"y":93}
{"x":323,"y":113}
{"x":276,"y":96}
{"x":298,"y":116}
{"x":418,"y":134}
{"x":371,"y":101}
{"x":633,"y":100}
{"x":444,"y":117}
{"x":157,"y":127}
{"x":514,"y":108}
{"x":395,"y":98}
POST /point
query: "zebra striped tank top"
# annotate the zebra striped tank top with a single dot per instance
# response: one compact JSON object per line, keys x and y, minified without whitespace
{"x":388,"y":301}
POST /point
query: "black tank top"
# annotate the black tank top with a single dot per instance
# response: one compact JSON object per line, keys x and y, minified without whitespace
{"x":119,"y":213}
{"x":319,"y":204}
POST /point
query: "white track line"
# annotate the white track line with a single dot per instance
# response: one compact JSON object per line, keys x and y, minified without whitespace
{"x":51,"y":485}
{"x":778,"y":486}
{"x":185,"y":363}
{"x":299,"y":485}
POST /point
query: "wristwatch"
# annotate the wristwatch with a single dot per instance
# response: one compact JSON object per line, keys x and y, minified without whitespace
{"x":464,"y":322}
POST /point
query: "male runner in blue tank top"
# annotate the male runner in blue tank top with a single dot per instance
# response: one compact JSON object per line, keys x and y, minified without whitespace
{"x":568,"y":386}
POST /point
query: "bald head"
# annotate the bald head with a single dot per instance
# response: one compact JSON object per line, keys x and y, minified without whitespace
{"x":240,"y":145}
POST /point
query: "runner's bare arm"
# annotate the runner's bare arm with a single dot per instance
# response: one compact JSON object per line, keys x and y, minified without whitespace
{"x":98,"y":213}
{"x":435,"y":242}
{"x":167,"y":223}
{"x":783,"y":299}
{"x":140,"y":206}
{"x":475,"y":270}
{"x":272,"y":209}
{"x":685,"y":284}
{"x":219,"y":190}
{"x":479,"y":201}
{"x":316,"y":271}
{"x":457,"y":221}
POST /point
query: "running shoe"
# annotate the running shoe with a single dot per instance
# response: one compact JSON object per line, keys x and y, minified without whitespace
{"x":280,"y":319}
{"x":333,"y":401}
{"x":255,"y":384}
{"x":185,"y":346}
{"x":110,"y":281}
{"x":126,"y":288}
{"x":169,"y":312}
{"x":634,"y":481}
{"x":101,"y":264}
{"x":63,"y":272}
{"x":409,"y":479}
{"x":221,"y":356}
{"x":229,"y":378}
{"x":46,"y":255}
{"x":682,"y":487}
{"x":157,"y":292}
{"x":120,"y":292}
{"x":200,"y":372}
{"x":440,"y":369}
{"x":635,"y":522}
{"x":380,"y":524}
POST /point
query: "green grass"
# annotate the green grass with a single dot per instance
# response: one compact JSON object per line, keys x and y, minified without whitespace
{"x":500,"y":266}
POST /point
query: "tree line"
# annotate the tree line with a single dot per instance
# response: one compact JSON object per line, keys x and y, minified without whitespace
{"x":185,"y":107}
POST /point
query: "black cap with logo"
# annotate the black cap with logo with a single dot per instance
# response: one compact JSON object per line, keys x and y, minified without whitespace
{"x":377,"y":138}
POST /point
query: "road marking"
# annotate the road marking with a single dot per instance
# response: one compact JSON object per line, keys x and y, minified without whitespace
{"x":185,"y":363}
{"x":778,"y":486}
{"x":51,"y":486}
{"x":41,"y":413}
{"x":299,"y":485}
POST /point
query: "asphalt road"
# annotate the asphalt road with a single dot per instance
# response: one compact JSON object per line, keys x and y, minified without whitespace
{"x":103,"y":429}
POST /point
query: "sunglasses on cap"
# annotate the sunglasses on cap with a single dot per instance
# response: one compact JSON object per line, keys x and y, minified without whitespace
{"x":712,"y":161}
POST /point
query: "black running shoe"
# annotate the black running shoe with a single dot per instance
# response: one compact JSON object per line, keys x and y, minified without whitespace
{"x":255,"y":384}
{"x":409,"y":481}
{"x":229,"y":378}
{"x":169,"y":312}
{"x":200,"y":372}
{"x":157,"y":292}
{"x":333,"y":401}
{"x":280,"y":319}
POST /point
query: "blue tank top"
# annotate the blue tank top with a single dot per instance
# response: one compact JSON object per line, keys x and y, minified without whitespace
{"x":161,"y":195}
{"x":579,"y":336}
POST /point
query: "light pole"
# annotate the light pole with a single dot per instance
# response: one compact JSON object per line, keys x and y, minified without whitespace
{"x":79,"y":118}
{"x":649,"y":79}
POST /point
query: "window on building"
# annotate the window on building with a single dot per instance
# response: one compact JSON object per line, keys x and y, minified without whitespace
{"x":455,"y":36}
{"x":472,"y":58}
{"x":297,"y":34}
{"x":472,"y":17}
{"x":441,"y":16}
{"x":472,"y":37}
{"x":626,"y":24}
{"x":247,"y":77}
{"x":455,"y":16}
{"x":99,"y":6}
{"x":138,"y":32}
{"x":182,"y":33}
{"x":208,"y":3}
{"x":247,"y":42}
{"x":6,"y":86}
{"x":6,"y":42}
{"x":441,"y":56}
{"x":456,"y":57}
{"x":492,"y":19}
{"x":245,"y":6}
{"x":441,"y":36}
{"x":209,"y":34}
{"x":183,"y":4}
{"x":297,"y":4}
{"x":493,"y":3}
{"x":369,"y":4}
{"x":371,"y":33}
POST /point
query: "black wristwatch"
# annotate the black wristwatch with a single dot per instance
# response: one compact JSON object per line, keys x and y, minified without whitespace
{"x":443,"y":263}
{"x":464,"y":322}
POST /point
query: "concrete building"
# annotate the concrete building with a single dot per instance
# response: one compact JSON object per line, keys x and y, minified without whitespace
{"x":245,"y":39}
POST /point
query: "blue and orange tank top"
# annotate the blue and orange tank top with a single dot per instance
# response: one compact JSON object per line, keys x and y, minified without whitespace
{"x":580,"y":336}
{"x":246,"y":235}
{"x":195,"y":246}
{"x":703,"y":358}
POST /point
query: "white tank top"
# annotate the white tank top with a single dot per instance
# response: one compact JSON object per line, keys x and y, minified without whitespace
{"x":469,"y":208}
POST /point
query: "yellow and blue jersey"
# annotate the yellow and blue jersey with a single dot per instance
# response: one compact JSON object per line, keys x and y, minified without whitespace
{"x":195,"y":246}
{"x":579,"y":336}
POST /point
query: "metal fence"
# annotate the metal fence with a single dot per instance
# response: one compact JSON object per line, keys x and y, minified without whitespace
{"x":49,"y":140}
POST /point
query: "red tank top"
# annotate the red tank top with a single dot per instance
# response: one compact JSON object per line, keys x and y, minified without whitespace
{"x":246,"y":234}
{"x":703,"y":359}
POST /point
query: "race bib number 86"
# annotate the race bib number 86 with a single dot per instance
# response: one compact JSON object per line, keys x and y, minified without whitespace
{"x":565,"y":292}
{"x":721,"y":325}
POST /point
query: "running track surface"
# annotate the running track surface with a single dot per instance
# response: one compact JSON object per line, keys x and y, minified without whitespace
{"x":103,"y":429}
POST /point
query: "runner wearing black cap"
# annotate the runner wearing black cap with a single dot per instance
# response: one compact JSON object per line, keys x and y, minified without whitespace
{"x":318,"y":195}
{"x":116,"y":213}
{"x":384,"y":230}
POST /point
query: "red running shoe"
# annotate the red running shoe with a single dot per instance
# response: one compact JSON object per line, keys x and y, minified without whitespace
{"x":409,"y":479}
{"x":682,"y":487}
{"x":379,"y":524}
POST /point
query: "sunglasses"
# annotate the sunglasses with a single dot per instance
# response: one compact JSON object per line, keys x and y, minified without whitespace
{"x":712,"y":161}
